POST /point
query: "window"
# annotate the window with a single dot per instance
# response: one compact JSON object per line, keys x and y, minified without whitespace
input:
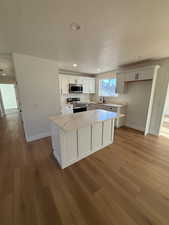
{"x":107,"y":87}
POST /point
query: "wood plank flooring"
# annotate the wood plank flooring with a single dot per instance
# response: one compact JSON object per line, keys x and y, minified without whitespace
{"x":127,"y":183}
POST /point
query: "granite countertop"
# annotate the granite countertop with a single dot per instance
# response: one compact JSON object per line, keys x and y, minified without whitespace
{"x":83,"y":119}
{"x":105,"y":104}
{"x":112,"y":104}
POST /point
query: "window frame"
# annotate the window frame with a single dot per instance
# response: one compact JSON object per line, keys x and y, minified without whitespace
{"x":110,"y":78}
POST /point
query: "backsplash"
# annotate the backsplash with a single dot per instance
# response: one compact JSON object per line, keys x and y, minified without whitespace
{"x":120,"y":99}
{"x":83,"y":97}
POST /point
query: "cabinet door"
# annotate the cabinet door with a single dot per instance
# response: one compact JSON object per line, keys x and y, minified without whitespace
{"x":64,"y":85}
{"x":107,"y":132}
{"x":72,"y":80}
{"x":145,"y":76}
{"x":86,"y":86}
{"x":79,"y":80}
{"x":140,"y":75}
{"x":69,"y":147}
{"x":84,"y":141}
{"x":92,"y":107}
{"x":131,"y":76}
{"x":120,"y":84}
{"x":96,"y":136}
{"x":92,"y":85}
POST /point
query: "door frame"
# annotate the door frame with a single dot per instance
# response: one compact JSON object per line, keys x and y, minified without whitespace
{"x":164,"y":107}
{"x":150,"y":107}
{"x":2,"y":109}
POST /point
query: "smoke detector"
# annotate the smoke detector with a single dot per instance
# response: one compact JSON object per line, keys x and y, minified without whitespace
{"x":75,"y":26}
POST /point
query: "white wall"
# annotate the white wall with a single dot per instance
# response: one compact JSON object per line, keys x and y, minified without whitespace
{"x":138,"y":96}
{"x":39,"y":93}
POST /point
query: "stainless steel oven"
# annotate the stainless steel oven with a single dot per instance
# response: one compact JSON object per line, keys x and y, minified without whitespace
{"x":75,"y":88}
{"x":79,"y":109}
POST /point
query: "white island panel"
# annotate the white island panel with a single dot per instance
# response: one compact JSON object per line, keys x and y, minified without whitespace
{"x":84,"y":141}
{"x":75,"y":137}
{"x":96,"y":136}
{"x":108,"y":126}
{"x":69,"y":147}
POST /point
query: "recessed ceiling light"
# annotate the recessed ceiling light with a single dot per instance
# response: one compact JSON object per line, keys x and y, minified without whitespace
{"x":98,"y":69}
{"x":75,"y":26}
{"x":74,"y":65}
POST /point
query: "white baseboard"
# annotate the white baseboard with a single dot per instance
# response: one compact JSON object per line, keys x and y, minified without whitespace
{"x":37,"y":136}
{"x":136,"y":127}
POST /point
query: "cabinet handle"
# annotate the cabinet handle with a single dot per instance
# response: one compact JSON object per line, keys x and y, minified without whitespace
{"x":136,"y":76}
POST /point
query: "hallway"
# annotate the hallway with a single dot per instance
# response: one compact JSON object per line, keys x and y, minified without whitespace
{"x":124,"y":184}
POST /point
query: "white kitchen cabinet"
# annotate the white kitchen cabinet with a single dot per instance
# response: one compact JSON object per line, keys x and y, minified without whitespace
{"x":145,"y":76}
{"x":93,"y":106}
{"x":72,"y":80}
{"x":129,"y":76}
{"x":88,"y":83}
{"x":107,"y":131}
{"x":86,"y":86}
{"x":92,"y":85}
{"x":64,"y":81}
{"x":120,"y":85}
{"x":81,"y":137}
{"x":84,"y":144}
{"x":138,"y":75}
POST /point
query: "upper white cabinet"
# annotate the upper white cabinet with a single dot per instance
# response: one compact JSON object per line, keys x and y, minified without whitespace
{"x":120,"y":83}
{"x":64,"y":84}
{"x":87,"y":82}
{"x":92,"y":85}
{"x":88,"y":85}
{"x":139,"y":74}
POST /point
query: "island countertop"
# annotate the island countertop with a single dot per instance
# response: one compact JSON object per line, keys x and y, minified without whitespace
{"x":78,"y":120}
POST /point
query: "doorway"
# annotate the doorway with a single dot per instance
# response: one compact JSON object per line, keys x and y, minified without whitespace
{"x":164,"y":130}
{"x":8,"y":99}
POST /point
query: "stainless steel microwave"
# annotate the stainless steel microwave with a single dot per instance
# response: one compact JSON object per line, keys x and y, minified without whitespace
{"x":75,"y":88}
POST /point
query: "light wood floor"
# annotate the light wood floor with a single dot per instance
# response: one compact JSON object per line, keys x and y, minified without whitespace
{"x":127,"y":183}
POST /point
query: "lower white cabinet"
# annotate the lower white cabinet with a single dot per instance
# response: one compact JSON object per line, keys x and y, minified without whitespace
{"x":74,"y":145}
{"x":107,"y":132}
{"x":84,"y":144}
{"x":96,"y":136}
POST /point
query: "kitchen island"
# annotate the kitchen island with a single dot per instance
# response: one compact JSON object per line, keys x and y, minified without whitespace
{"x":75,"y":136}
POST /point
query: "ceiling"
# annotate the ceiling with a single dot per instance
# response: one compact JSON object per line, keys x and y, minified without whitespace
{"x":112,"y":32}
